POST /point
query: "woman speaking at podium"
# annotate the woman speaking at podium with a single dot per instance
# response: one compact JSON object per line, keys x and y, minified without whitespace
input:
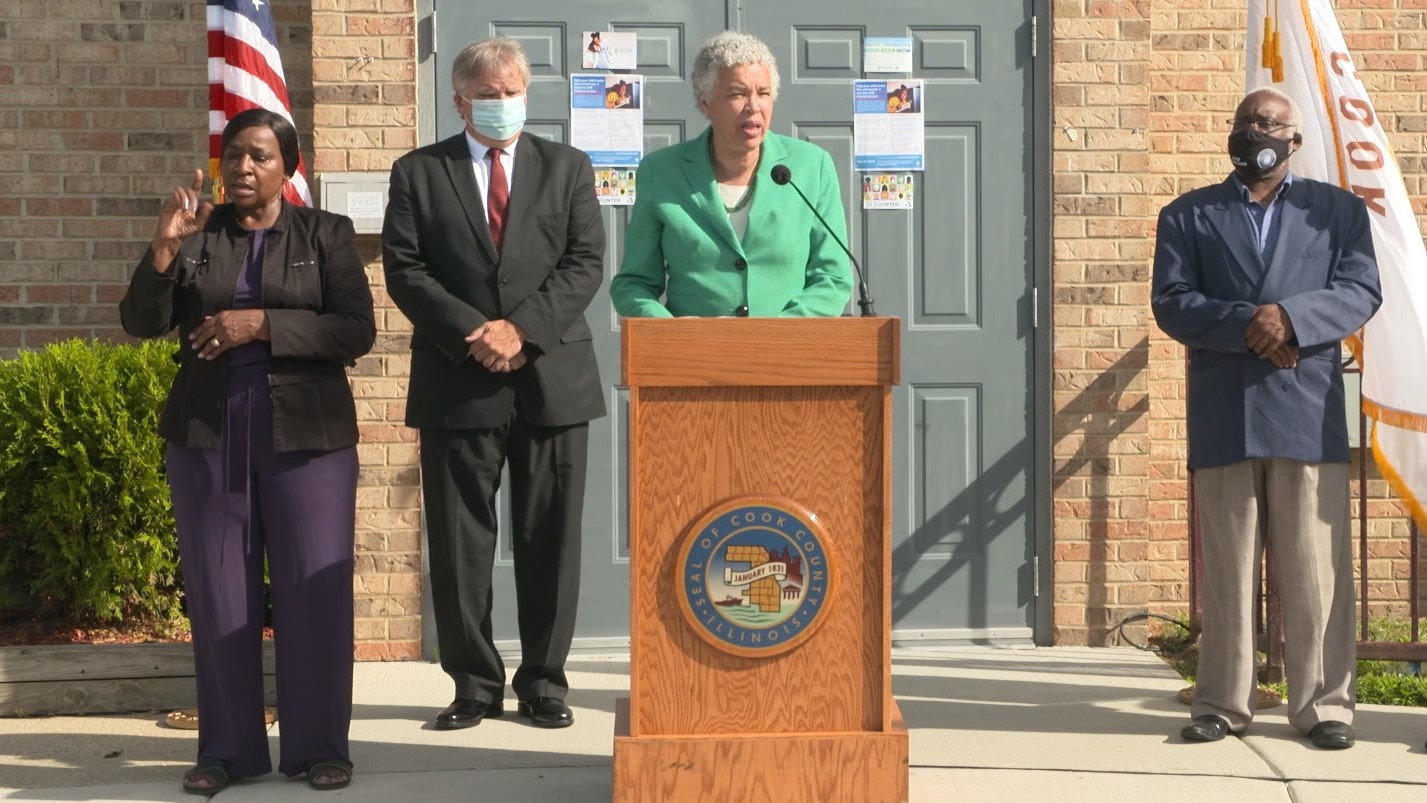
{"x":711,"y":232}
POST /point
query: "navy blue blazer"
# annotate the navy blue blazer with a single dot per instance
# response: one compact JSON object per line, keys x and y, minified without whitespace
{"x":1208,"y":280}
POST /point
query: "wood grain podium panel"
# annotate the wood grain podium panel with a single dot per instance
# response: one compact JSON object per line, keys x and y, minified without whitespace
{"x":765,"y":417}
{"x":821,"y":447}
{"x":852,"y":767}
{"x":694,"y":352}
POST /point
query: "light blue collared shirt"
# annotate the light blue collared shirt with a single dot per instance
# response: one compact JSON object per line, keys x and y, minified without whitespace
{"x":1264,"y":219}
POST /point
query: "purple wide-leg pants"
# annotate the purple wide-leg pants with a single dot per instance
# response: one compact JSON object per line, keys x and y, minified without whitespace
{"x":231,"y":505}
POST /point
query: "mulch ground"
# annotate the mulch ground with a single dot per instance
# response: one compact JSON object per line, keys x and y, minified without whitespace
{"x":24,"y":628}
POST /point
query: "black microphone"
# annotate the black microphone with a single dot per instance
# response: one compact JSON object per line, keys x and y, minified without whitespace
{"x":782,"y":175}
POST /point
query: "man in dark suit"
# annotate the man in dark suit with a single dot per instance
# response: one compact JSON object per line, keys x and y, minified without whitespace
{"x":493,"y":246}
{"x":1260,"y":277}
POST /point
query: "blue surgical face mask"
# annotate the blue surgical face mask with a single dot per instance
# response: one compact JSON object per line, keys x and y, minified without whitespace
{"x":499,"y":119}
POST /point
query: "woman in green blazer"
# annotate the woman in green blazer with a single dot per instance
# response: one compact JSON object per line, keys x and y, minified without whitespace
{"x":710,"y":232}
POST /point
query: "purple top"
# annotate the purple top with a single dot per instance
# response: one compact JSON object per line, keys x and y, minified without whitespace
{"x":248,"y":294}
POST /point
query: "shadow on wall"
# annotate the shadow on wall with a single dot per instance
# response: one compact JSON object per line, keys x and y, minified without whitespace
{"x":1104,"y":411}
{"x":970,"y":522}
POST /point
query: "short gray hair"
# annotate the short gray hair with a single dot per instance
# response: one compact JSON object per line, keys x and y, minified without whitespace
{"x":490,"y":55}
{"x":730,"y":49}
{"x":1295,"y":116}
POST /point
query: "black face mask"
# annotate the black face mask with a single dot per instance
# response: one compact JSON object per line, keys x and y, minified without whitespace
{"x":1255,"y":153}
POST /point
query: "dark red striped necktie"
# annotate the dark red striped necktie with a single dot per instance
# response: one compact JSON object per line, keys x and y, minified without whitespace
{"x":497,"y":195}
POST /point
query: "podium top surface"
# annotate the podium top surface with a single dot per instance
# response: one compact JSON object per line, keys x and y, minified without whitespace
{"x":760,"y":352}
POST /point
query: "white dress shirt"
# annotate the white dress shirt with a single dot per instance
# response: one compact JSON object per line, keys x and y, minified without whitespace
{"x":482,"y":167}
{"x":736,"y":204}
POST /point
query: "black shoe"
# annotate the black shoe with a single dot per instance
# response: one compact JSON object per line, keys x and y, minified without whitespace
{"x":547,"y":712}
{"x":466,"y":713}
{"x":1205,"y":728}
{"x":1331,"y":734}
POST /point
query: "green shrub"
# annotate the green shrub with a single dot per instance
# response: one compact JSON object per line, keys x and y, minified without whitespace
{"x":86,"y":526}
{"x":1392,"y":689}
{"x":1379,"y":682}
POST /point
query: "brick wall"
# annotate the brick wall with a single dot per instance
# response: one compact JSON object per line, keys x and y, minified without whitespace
{"x":1109,"y":185}
{"x":364,"y":92}
{"x":1101,"y":427}
{"x":103,"y":107}
{"x":1202,"y":44}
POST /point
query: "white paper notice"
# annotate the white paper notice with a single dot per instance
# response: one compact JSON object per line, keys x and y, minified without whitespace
{"x":888,"y":190}
{"x":888,"y":125}
{"x":607,"y":50}
{"x":607,"y":118}
{"x":887,"y":54}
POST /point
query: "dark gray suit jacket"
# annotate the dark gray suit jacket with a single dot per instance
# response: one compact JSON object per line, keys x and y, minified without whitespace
{"x":1208,"y":280}
{"x":443,"y":273}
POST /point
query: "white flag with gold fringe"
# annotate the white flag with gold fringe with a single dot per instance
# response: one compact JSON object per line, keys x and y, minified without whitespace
{"x":1297,"y":46}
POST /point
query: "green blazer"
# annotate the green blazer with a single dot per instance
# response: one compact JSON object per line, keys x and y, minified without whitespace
{"x":679,"y":243}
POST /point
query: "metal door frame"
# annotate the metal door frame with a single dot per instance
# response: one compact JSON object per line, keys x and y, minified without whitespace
{"x":1041,"y":184}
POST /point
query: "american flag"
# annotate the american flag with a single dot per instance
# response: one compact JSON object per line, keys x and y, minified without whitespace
{"x":245,"y":72}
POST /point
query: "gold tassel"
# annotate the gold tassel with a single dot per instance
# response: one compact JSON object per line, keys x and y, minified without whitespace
{"x":1266,"y":47}
{"x":1277,"y":59}
{"x":217,"y":180}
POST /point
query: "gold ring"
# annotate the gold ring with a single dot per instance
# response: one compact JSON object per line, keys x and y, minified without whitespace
{"x":216,"y":342}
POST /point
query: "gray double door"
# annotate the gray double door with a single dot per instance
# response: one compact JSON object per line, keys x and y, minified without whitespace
{"x":958,"y":269}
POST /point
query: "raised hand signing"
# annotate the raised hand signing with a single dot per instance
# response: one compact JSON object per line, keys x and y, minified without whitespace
{"x":182,"y":214}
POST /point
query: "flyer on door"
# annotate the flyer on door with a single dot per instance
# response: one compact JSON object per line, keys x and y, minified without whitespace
{"x":888,"y":127}
{"x":607,"y":118}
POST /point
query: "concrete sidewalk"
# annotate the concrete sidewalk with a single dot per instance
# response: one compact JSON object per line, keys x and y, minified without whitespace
{"x":987,"y":724}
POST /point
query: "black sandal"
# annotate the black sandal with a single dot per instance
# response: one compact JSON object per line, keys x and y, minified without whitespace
{"x":208,"y":778}
{"x":337,"y":770}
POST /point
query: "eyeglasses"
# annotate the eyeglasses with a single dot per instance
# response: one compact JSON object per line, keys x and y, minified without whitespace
{"x":1262,"y":124}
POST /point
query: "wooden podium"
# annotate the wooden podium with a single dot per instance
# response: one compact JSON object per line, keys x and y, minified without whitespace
{"x":760,"y":563}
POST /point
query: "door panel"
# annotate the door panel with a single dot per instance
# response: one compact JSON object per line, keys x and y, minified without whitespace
{"x":957,"y":270}
{"x":669,"y":35}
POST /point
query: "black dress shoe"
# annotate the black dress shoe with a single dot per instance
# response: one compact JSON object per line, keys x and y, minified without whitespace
{"x":547,"y":712}
{"x":1331,"y":734}
{"x":1205,"y":728}
{"x":466,"y":713}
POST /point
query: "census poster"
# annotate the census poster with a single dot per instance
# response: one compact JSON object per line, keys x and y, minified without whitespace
{"x":888,"y":190}
{"x":614,"y":186}
{"x":888,"y":127}
{"x":607,"y":118}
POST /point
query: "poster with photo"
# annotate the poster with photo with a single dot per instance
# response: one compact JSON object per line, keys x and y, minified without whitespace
{"x":614,"y":186}
{"x":607,"y":118}
{"x":607,"y":50}
{"x":888,"y":127}
{"x":888,"y":190}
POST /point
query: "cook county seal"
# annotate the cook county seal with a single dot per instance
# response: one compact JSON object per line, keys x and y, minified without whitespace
{"x":755,"y":575}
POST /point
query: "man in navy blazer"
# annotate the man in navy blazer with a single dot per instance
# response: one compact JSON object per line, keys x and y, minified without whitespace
{"x":1260,"y":277}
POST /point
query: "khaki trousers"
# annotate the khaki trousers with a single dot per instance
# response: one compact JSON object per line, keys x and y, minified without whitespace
{"x":1301,"y":511}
